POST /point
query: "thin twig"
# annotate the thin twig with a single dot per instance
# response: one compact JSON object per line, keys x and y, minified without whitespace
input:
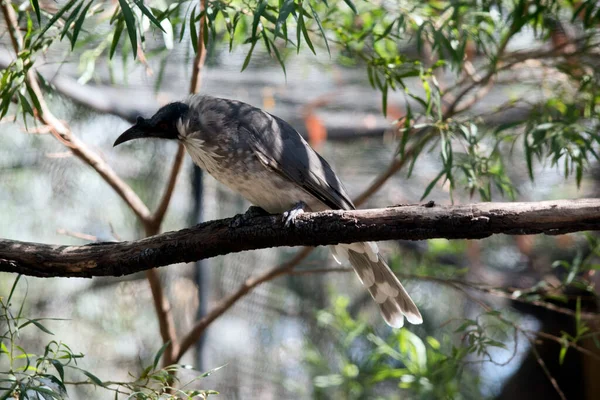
{"x":77,"y":235}
{"x":544,"y":368}
{"x":164,"y":315}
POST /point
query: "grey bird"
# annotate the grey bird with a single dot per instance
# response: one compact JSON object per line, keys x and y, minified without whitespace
{"x":263,"y":158}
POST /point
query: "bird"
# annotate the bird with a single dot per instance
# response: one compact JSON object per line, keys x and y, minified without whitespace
{"x":265,"y":160}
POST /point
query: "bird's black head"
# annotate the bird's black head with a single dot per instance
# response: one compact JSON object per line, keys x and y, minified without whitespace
{"x":162,"y":125}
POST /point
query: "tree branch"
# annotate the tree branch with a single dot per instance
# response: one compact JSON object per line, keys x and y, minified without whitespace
{"x":416,"y":222}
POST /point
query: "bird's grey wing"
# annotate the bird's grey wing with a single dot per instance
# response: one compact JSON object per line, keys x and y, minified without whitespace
{"x":280,"y":147}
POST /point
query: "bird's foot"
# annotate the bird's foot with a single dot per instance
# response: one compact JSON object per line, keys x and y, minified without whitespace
{"x":289,"y":217}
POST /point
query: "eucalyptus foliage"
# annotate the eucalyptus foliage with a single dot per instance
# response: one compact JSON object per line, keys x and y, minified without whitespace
{"x":30,"y":374}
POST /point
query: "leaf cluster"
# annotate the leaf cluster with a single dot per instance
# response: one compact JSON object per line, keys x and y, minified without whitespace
{"x":26,"y":375}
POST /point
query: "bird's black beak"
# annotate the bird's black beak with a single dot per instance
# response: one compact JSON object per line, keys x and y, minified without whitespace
{"x":137,"y":131}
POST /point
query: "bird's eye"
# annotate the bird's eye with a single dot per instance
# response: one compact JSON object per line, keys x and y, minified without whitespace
{"x":163,"y":126}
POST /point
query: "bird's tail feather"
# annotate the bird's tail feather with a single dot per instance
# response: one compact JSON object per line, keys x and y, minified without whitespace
{"x":385,"y":288}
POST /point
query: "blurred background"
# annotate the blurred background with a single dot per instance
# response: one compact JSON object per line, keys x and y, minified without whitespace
{"x":507,"y":317}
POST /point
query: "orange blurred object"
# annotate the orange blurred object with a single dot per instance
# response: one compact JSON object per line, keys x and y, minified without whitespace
{"x":317,"y":132}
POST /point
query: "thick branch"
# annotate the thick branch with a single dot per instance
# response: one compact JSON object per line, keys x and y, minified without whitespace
{"x":241,"y":233}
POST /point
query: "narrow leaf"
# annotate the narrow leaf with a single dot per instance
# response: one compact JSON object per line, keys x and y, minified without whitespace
{"x":69,"y":21}
{"x":25,"y":104}
{"x":59,"y":369}
{"x":12,"y":289}
{"x":93,"y":378}
{"x":79,"y":24}
{"x":38,"y":325}
{"x":193,"y":32}
{"x":284,"y":12}
{"x":257,"y":14}
{"x":36,"y":7}
{"x":55,"y":17}
{"x":130,"y":23}
{"x":248,"y":56}
{"x":148,"y":14}
{"x":279,"y":59}
{"x":116,"y":38}
{"x":305,"y":33}
{"x":351,"y":5}
{"x":160,"y":353}
{"x":432,"y":184}
{"x":318,"y":20}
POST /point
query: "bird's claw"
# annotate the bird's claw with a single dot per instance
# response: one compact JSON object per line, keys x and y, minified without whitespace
{"x":289,"y":217}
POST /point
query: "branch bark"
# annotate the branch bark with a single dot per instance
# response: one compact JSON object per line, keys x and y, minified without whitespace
{"x":415,"y":222}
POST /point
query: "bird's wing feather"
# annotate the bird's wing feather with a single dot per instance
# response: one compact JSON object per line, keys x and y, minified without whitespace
{"x":280,"y":147}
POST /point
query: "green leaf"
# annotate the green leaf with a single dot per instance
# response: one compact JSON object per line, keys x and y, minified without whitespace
{"x":36,"y":7}
{"x":563,"y":353}
{"x":37,"y":324}
{"x":12,"y":289}
{"x":432,"y":184}
{"x":284,"y":12}
{"x":55,"y":18}
{"x":79,"y":24}
{"x":279,"y":59}
{"x":116,"y":38}
{"x":257,"y":14}
{"x":69,"y":21}
{"x":248,"y":56}
{"x":130,"y":23}
{"x":25,"y":104}
{"x":160,"y":353}
{"x":318,"y":20}
{"x":193,"y":32}
{"x":92,"y":377}
{"x":59,"y":369}
{"x":302,"y":27}
{"x":351,"y":5}
{"x":149,"y":14}
{"x":207,"y":373}
{"x":528,"y":156}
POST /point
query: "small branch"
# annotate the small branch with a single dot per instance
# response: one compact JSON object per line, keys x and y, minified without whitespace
{"x":241,"y":233}
{"x":545,"y":369}
{"x":200,"y":55}
{"x":164,"y":316}
{"x":77,"y":235}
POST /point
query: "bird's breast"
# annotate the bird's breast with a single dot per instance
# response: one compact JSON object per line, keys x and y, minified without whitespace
{"x":243,"y":172}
